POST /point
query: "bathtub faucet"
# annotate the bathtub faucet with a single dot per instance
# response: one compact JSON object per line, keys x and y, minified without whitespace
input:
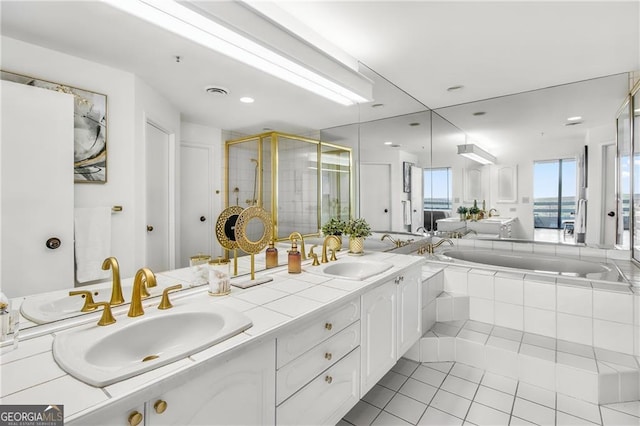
{"x":390,"y":238}
{"x":431,"y":247}
{"x":492,"y":210}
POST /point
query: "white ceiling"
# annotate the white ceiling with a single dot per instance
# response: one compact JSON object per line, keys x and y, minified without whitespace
{"x":422,"y":47}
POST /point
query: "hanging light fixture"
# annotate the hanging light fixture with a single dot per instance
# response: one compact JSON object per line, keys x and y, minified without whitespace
{"x":475,"y":153}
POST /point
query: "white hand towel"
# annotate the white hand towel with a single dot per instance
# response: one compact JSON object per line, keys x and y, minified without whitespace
{"x":581,"y":217}
{"x":406,"y":212}
{"x":92,"y":229}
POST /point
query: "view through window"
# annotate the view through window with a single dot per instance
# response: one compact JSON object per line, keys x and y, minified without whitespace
{"x":554,"y":193}
{"x":437,"y":189}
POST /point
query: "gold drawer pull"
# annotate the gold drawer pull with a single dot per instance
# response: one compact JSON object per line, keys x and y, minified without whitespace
{"x":135,"y":418}
{"x":160,"y":406}
{"x":328,"y":356}
{"x":328,"y":379}
{"x":328,"y":326}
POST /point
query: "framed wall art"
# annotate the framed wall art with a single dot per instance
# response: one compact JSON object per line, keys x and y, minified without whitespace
{"x":90,"y":127}
{"x":406,"y":176}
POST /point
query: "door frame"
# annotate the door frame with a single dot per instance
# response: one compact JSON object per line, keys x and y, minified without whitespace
{"x":172,"y":205}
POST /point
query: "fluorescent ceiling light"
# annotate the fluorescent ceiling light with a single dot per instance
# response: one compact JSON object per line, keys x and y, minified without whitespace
{"x":576,"y":118}
{"x":388,"y":143}
{"x":475,"y":153}
{"x":185,"y":22}
{"x":247,"y":100}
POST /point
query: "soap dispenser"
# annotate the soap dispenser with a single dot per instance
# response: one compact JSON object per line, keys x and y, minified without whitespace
{"x":271,"y":256}
{"x":295,"y":259}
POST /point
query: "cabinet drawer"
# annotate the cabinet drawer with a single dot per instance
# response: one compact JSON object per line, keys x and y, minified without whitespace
{"x":298,"y":372}
{"x":327,"y":398}
{"x":300,"y":340}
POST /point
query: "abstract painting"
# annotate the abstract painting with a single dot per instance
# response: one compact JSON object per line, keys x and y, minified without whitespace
{"x":90,"y":127}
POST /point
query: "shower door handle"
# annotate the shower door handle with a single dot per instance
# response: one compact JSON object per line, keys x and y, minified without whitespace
{"x":611,"y":214}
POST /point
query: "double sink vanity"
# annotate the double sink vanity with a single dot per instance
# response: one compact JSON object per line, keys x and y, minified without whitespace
{"x":303,"y":348}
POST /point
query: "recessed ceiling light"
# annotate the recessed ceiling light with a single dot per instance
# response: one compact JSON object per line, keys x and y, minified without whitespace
{"x":247,"y":100}
{"x":395,"y":145}
{"x":479,"y":113}
{"x":216,"y":90}
{"x":266,"y":129}
{"x":576,"y":118}
{"x":414,"y":124}
{"x":377,"y":105}
{"x":454,"y":88}
{"x":388,"y":143}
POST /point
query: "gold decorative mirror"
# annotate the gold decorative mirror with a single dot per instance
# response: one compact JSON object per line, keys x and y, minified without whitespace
{"x":253,"y":229}
{"x":226,"y":227}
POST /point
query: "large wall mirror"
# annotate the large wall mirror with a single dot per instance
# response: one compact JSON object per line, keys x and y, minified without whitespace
{"x":540,"y":140}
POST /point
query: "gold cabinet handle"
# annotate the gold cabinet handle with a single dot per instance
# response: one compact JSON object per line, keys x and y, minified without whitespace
{"x":328,"y":379}
{"x":328,"y":356}
{"x":160,"y":406}
{"x":135,"y":418}
{"x":328,"y":326}
{"x":165,"y":303}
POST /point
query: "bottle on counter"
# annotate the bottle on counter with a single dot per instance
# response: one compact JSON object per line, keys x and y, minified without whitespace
{"x":295,"y":259}
{"x":5,"y":321}
{"x":271,"y":256}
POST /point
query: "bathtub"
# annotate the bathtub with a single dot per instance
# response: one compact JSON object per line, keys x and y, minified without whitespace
{"x":538,"y":263}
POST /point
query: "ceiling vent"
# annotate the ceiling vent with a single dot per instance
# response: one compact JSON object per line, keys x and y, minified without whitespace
{"x":217,"y":91}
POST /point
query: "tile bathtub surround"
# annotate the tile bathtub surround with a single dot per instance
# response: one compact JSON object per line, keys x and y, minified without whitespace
{"x":456,"y":394}
{"x":603,"y":314}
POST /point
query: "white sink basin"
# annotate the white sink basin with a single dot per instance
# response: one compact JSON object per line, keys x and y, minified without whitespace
{"x":351,"y":269}
{"x":100,"y":356}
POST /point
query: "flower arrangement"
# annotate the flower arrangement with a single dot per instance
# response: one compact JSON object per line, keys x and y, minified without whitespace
{"x":357,"y":228}
{"x":334,"y":226}
{"x":462,"y":210}
{"x":475,"y":209}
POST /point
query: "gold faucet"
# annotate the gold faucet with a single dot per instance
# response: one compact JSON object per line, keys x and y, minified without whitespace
{"x":116,"y":286}
{"x":314,"y":256}
{"x":107,"y":317}
{"x":324,"y":246}
{"x":431,"y":247}
{"x":492,"y":210}
{"x":299,"y":236}
{"x":89,"y":304}
{"x":165,"y":303}
{"x":144,"y":278}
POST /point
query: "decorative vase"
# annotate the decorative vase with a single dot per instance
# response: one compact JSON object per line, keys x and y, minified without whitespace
{"x":474,"y":217}
{"x":463,"y":216}
{"x":356,"y":245}
{"x":335,"y":244}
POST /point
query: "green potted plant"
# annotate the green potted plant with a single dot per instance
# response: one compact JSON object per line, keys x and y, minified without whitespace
{"x":462,"y":211}
{"x":474,"y":211}
{"x":357,"y":230}
{"x":334,"y":226}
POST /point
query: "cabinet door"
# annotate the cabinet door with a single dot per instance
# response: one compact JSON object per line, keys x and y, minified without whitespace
{"x":240,"y":391}
{"x":379,"y":325}
{"x":111,"y":415}
{"x":409,"y":310}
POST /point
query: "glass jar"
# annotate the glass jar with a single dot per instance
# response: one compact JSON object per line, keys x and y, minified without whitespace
{"x":199,"y":269}
{"x":219,"y":277}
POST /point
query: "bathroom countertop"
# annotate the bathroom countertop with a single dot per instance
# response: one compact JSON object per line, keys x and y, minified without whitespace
{"x":30,"y":375}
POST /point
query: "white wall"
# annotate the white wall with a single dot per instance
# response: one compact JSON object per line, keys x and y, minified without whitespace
{"x":124,"y":139}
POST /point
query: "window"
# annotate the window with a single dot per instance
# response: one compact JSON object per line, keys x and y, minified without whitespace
{"x":554,"y":192}
{"x":437,"y":189}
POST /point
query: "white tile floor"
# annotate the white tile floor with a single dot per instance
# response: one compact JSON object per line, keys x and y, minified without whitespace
{"x":451,"y":393}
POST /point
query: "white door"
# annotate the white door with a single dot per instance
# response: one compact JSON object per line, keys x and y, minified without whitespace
{"x":37,"y":190}
{"x":375,"y":195}
{"x":197,"y":225}
{"x":417,"y":198}
{"x":157,"y":193}
{"x":609,"y":203}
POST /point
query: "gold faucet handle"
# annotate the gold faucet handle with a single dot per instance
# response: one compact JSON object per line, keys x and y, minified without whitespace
{"x":165,"y":303}
{"x":314,"y":256}
{"x":107,"y":317}
{"x":333,"y":254}
{"x":88,"y":300}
